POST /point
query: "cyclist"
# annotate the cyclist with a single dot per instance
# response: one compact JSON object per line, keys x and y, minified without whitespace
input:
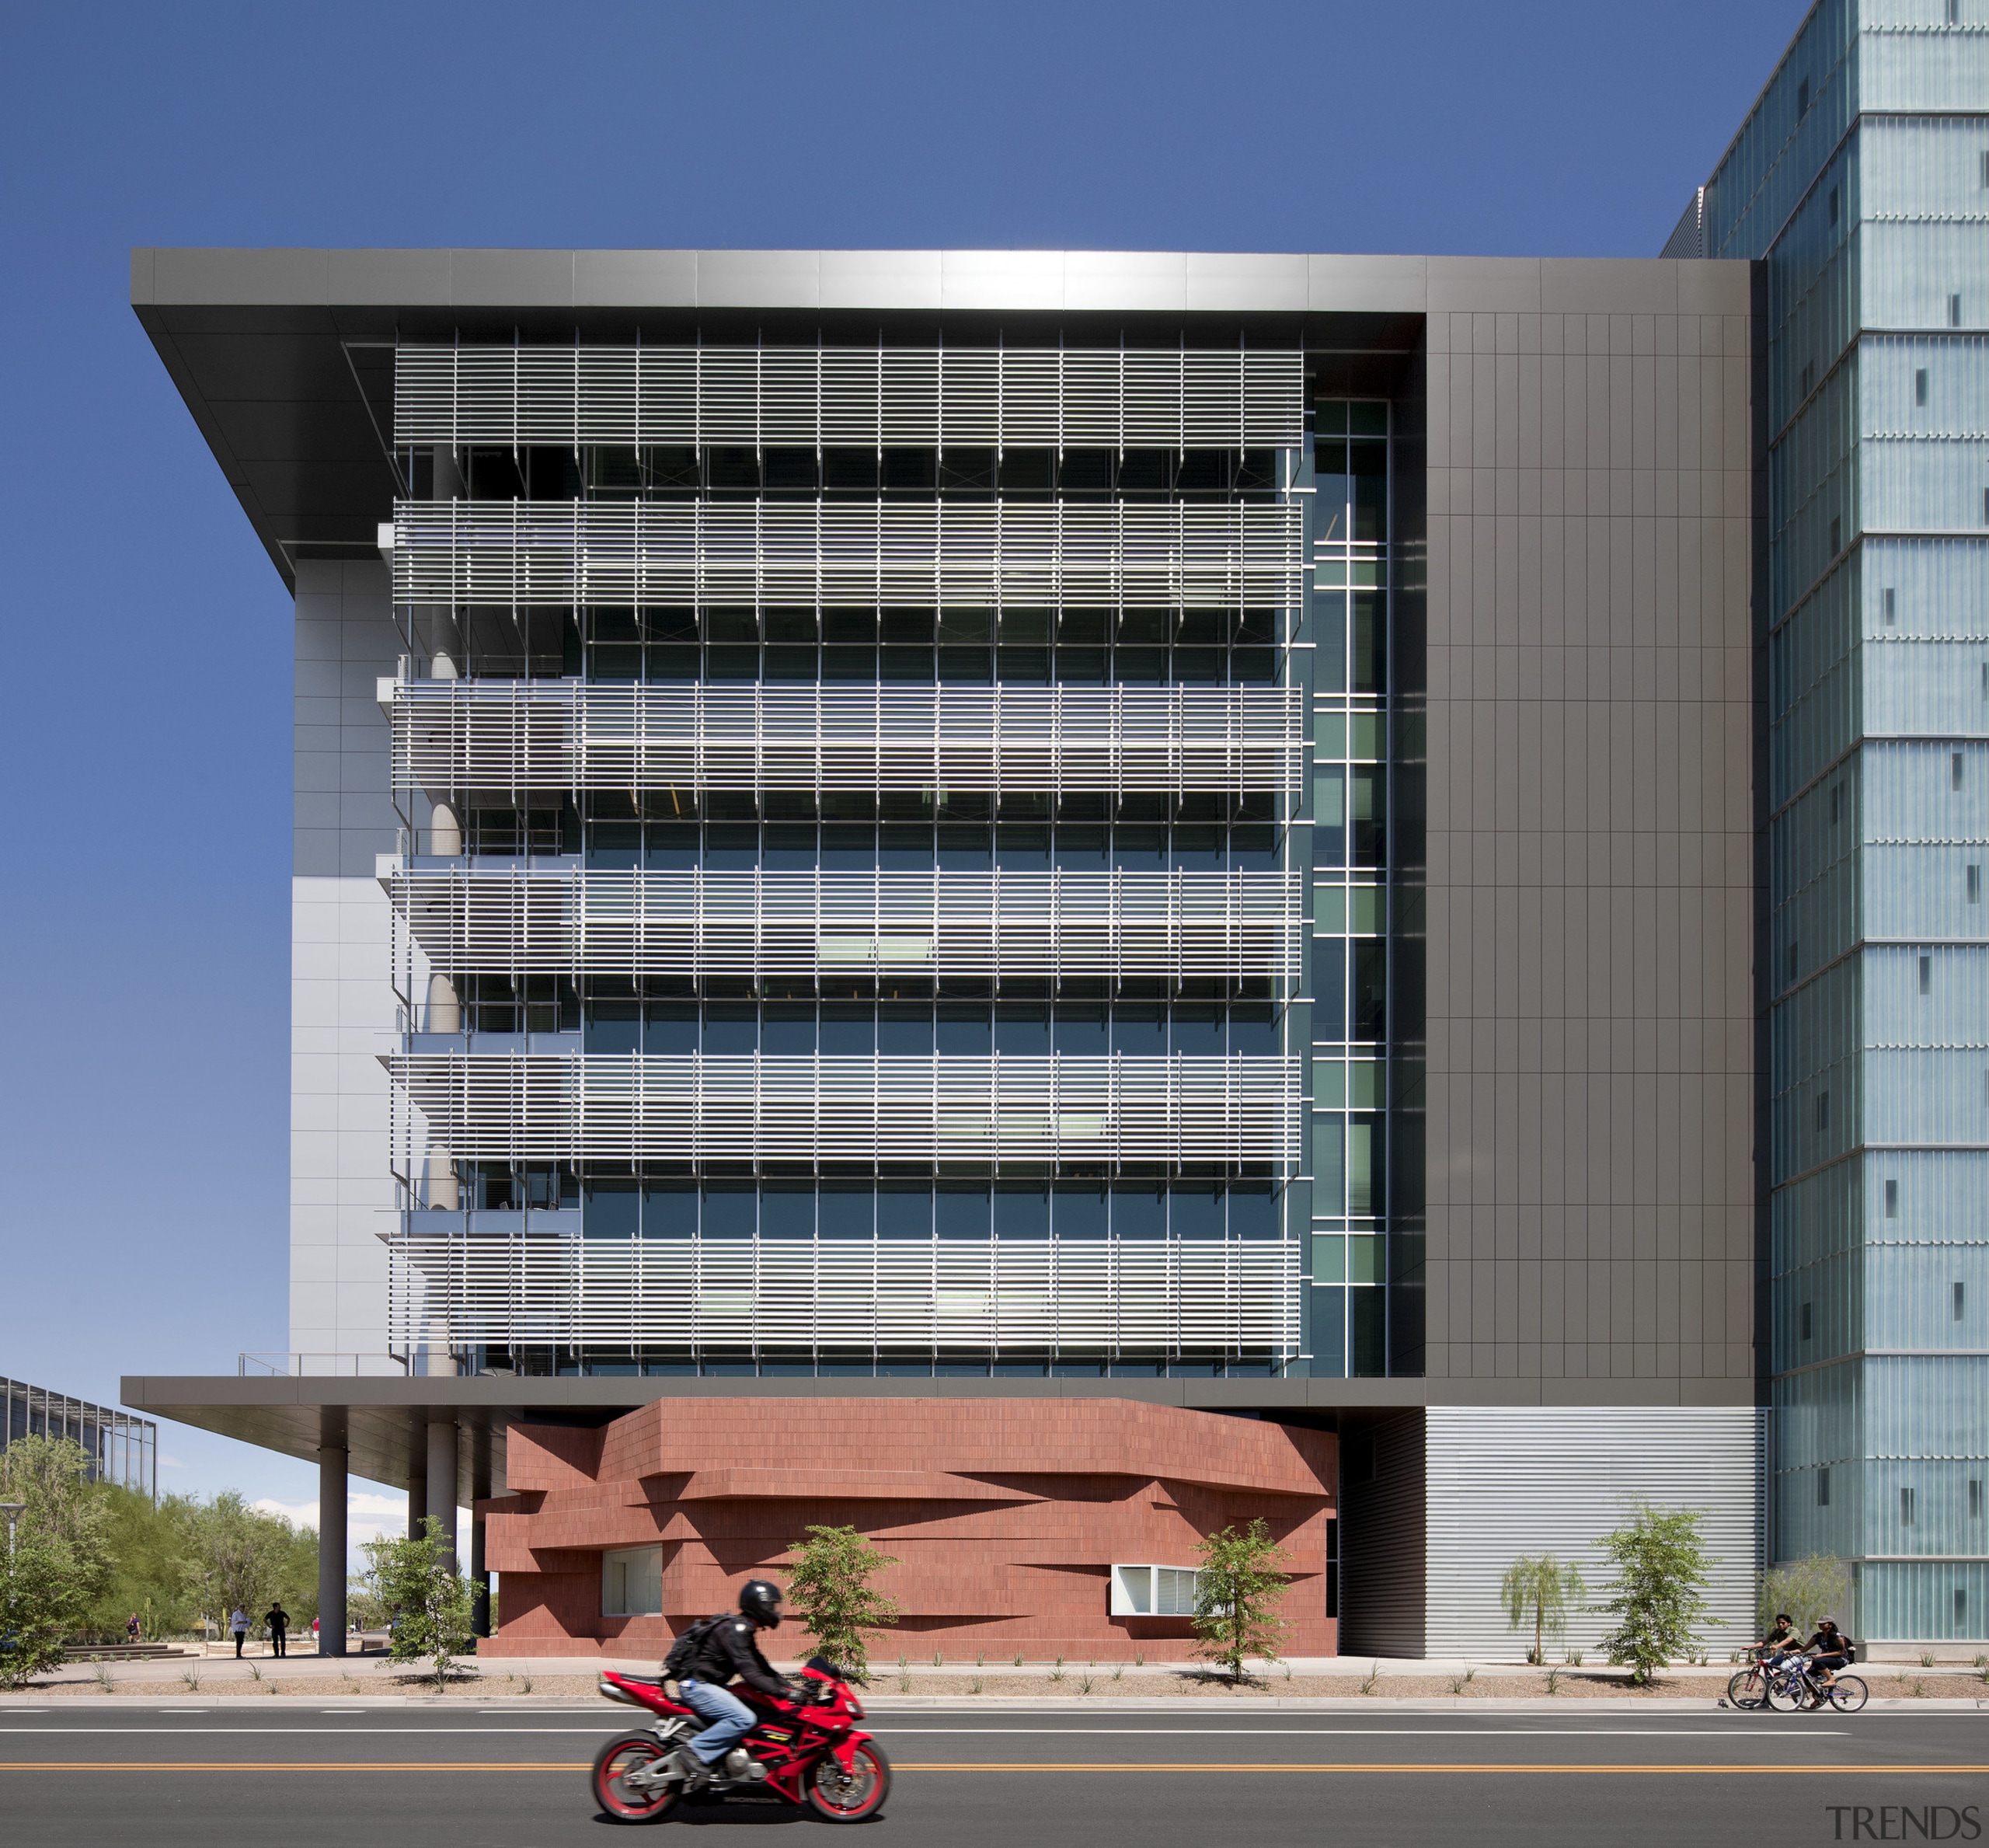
{"x":1780,"y":1641}
{"x":1829,"y":1650}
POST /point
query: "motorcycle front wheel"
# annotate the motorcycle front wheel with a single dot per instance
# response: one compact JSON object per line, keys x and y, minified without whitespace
{"x":627,"y":1752}
{"x":855,"y":1795}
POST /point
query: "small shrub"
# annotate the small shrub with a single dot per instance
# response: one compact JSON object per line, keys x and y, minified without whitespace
{"x":1139,"y":1659}
{"x":981,"y":1660}
{"x":904,"y":1684}
{"x":1927,"y":1659}
{"x":1553,"y":1681}
{"x":938,"y":1658}
{"x":102,"y":1674}
{"x":1019,"y":1658}
{"x":1059,"y":1662}
{"x":1373,"y":1680}
{"x":1118,"y":1671}
{"x":1470,"y":1676}
{"x":524,"y":1683}
{"x":1574,"y":1658}
{"x":255,"y":1674}
{"x":1056,"y":1673}
{"x":1457,"y":1684}
{"x":192,"y":1678}
{"x":978,"y":1686}
{"x":1083,"y":1685}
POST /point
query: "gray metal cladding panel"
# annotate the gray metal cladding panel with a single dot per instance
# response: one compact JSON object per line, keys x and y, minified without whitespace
{"x":1590,"y":899}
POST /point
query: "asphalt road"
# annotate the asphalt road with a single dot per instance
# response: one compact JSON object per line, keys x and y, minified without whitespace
{"x":1000,"y":1780}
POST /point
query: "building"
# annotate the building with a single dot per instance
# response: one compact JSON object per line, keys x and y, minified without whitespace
{"x":1859,"y":184}
{"x":121,"y":1449}
{"x":886,"y":837}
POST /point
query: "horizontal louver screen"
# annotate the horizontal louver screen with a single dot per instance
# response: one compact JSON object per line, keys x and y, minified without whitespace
{"x":555,"y":735}
{"x":874,"y":398}
{"x":609,"y":923}
{"x":948,"y":555}
{"x":618,"y":1107}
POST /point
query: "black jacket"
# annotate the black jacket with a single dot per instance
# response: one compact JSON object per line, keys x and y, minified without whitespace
{"x":732,"y":1648}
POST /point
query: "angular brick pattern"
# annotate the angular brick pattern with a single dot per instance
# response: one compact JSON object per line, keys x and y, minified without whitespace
{"x":1005,"y":1516}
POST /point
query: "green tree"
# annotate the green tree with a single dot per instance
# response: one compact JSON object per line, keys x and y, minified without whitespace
{"x":241,"y":1556}
{"x":52,"y":1476}
{"x":840,"y":1607}
{"x":40,"y":1600}
{"x":1661,"y":1572}
{"x":1238,"y":1587}
{"x":151,"y":1566}
{"x":1819,"y":1586}
{"x":430,"y":1600}
{"x":1537,"y":1585}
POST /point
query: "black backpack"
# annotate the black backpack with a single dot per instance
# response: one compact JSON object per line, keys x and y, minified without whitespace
{"x":688,"y":1651}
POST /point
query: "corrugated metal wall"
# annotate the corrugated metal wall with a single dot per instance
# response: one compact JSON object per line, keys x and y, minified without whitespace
{"x":1506,"y":1480}
{"x":1382,"y":1591}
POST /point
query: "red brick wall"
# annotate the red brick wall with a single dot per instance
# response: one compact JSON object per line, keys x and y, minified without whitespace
{"x":1005,"y":1516}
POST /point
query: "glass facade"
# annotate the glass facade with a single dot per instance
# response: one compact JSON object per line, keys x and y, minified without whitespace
{"x":1861,"y":178}
{"x":121,"y":1449}
{"x":978,"y":1225}
{"x":1361,"y":1071}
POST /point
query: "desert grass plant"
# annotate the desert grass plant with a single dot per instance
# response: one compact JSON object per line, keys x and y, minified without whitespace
{"x":1927,"y":1659}
{"x":904,"y":1684}
{"x":103,"y":1681}
{"x":1239,"y":1586}
{"x":1019,"y":1658}
{"x":841,"y":1608}
{"x":255,"y":1672}
{"x":1553,"y":1681}
{"x":981,"y":1660}
{"x":1372,"y":1680}
{"x":938,"y":1658}
{"x":1661,"y":1566}
{"x":524,"y":1684}
{"x":1056,"y":1673}
{"x":979,"y":1686}
{"x":1139,"y":1659}
{"x":192,"y":1678}
{"x":1118,"y":1671}
{"x":1540,"y":1590}
{"x":1084,"y":1684}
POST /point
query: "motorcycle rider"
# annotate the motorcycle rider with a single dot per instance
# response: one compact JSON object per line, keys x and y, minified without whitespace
{"x":727,"y":1646}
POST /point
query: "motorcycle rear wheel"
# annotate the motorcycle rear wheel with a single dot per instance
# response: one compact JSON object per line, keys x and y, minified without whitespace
{"x":626,"y":1753}
{"x":837,"y":1796}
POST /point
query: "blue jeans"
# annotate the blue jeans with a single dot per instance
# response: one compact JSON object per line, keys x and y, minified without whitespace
{"x":730,"y":1719}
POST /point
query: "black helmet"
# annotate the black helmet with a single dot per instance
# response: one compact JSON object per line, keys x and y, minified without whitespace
{"x":759,"y":1599}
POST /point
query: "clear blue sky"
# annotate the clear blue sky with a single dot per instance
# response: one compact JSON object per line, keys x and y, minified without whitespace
{"x":146,"y":744}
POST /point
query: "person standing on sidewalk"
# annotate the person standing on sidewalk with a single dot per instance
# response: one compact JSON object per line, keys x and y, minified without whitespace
{"x":239,"y":1624}
{"x":278,"y":1619}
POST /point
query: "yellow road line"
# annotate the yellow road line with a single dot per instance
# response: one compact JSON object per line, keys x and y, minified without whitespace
{"x":1776,"y":1770}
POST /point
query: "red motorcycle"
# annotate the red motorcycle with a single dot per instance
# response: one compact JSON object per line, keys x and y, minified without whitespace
{"x":806,"y":1751}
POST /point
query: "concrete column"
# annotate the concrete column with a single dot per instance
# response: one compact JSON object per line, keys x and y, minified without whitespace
{"x":331,"y":1531}
{"x":417,"y":1494}
{"x":445,"y":841}
{"x":442,"y":1478}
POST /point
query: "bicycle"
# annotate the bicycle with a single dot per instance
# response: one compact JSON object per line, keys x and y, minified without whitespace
{"x":1748,"y":1688}
{"x":1792,"y":1689}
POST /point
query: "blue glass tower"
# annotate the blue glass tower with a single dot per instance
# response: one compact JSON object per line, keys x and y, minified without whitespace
{"x":1861,"y":181}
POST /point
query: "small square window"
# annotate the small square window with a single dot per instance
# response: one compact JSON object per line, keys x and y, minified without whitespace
{"x":1891,"y":1200}
{"x":1974,"y":885}
{"x":1926,"y":975}
{"x":1822,"y":1488}
{"x":1823,"y":1111}
{"x":1805,"y":1322}
{"x":1975,"y":1497}
{"x":1959,"y":1301}
{"x":1833,"y":205}
{"x":1954,"y":770}
{"x":1906,"y":1499}
{"x":1919,"y":386}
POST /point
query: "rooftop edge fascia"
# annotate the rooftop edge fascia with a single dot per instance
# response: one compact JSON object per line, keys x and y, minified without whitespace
{"x":924,"y":281}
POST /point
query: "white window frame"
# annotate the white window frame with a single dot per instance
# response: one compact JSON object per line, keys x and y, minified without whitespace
{"x":619,"y":1567}
{"x":1142,"y":1592}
